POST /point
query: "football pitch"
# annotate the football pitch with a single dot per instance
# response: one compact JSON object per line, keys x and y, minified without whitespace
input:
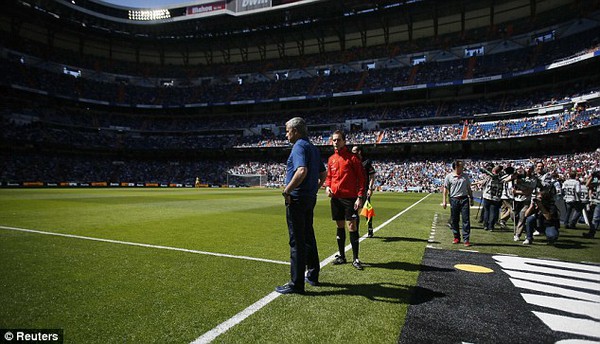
{"x":180,"y":265}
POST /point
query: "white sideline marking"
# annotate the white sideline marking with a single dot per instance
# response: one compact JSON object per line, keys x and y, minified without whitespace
{"x":145,"y":245}
{"x":241,"y":316}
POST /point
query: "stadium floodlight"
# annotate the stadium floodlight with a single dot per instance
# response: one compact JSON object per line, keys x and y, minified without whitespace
{"x":418,"y":59}
{"x":73,"y":72}
{"x":156,"y":14}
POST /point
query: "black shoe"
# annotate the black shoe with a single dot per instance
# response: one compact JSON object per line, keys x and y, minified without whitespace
{"x":357,"y":264}
{"x":339,"y":260}
{"x":370,"y":233}
{"x":311,"y":282}
{"x":288,"y":289}
{"x":588,"y":235}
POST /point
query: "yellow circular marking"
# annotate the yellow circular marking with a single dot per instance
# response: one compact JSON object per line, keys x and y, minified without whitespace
{"x":473,"y":268}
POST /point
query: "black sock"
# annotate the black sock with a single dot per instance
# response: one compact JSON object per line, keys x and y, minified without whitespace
{"x":354,"y":243}
{"x":341,"y":240}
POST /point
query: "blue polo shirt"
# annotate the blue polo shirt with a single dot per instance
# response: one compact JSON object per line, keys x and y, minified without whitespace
{"x":305,"y":154}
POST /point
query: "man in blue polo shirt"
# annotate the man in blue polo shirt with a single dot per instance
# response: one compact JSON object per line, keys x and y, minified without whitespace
{"x":304,"y":176}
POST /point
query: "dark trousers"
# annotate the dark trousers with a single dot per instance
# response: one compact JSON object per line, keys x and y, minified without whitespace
{"x":535,"y":223}
{"x":531,"y":226}
{"x":460,"y":208}
{"x":491,"y":213}
{"x":303,"y":245}
{"x":573,"y":213}
{"x":595,"y":222}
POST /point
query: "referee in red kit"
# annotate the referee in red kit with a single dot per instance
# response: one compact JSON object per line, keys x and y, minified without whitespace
{"x":345,"y":185}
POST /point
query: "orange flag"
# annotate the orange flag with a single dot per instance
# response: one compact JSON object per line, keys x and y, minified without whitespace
{"x":367,"y":210}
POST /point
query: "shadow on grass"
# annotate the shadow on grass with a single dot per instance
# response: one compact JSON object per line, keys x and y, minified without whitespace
{"x":396,"y":239}
{"x":513,"y":244}
{"x":561,"y":244}
{"x":496,"y":229}
{"x":405,"y":266}
{"x":580,"y":237}
{"x":381,"y":292}
{"x":570,"y":244}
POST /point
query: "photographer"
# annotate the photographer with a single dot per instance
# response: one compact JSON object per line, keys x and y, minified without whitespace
{"x":524,"y":183}
{"x":492,"y":191}
{"x":571,"y":189}
{"x":593,"y":183}
{"x":480,"y":184}
{"x":507,"y":198}
{"x":584,"y":199}
{"x":545,"y":182}
{"x":545,"y":218}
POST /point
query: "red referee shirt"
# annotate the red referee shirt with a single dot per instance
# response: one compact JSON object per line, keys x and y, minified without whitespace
{"x":345,"y":174}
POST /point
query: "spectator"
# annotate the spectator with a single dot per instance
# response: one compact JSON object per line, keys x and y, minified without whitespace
{"x":457,"y":187}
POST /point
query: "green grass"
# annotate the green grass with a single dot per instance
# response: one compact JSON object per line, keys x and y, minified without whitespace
{"x":102,"y":292}
{"x":571,"y":246}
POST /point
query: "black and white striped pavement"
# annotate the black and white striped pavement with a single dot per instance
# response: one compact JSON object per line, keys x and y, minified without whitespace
{"x":467,"y":297}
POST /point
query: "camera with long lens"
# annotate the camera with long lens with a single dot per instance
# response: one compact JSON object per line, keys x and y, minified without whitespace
{"x":509,"y":174}
{"x":486,"y":171}
{"x":518,"y":175}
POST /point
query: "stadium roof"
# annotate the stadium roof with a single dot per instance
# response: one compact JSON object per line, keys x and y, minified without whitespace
{"x":216,"y":18}
{"x":224,"y":31}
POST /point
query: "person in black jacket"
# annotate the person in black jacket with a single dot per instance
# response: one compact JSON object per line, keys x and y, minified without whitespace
{"x":370,"y":186}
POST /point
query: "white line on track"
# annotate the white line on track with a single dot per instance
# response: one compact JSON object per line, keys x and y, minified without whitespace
{"x":255,"y":307}
{"x":144,"y":245}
